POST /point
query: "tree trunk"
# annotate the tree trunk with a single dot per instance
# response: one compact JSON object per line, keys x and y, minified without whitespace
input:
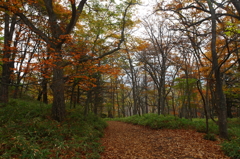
{"x":45,"y":91}
{"x":162,"y":83}
{"x":220,"y":97}
{"x":113,"y":99}
{"x":78,"y":95}
{"x":16,"y":90}
{"x":199,"y":86}
{"x":123,"y":103}
{"x":173,"y":104}
{"x":58,"y":106}
{"x":133,"y":80}
{"x":188,"y":94}
{"x":159,"y":101}
{"x":7,"y":63}
{"x":4,"y":93}
{"x":87,"y":103}
{"x":146,"y":91}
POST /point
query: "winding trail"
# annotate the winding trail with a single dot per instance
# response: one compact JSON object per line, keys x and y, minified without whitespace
{"x":127,"y":141}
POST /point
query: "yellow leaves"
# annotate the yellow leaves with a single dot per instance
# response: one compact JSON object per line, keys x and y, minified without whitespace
{"x":142,"y":46}
{"x":117,"y":36}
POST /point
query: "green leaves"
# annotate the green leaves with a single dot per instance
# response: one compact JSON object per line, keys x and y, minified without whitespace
{"x":1,"y":39}
{"x":232,"y":148}
{"x":232,"y":28}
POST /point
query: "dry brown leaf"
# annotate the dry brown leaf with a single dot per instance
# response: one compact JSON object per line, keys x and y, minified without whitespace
{"x":127,"y":141}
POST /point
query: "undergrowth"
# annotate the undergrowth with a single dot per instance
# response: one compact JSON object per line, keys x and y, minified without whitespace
{"x":27,"y":131}
{"x":231,"y":147}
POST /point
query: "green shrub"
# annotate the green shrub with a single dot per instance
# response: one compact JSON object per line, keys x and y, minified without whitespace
{"x":210,"y":137}
{"x":103,"y":115}
{"x":234,"y":128}
{"x":156,"y":121}
{"x":232,"y":148}
{"x":27,"y":131}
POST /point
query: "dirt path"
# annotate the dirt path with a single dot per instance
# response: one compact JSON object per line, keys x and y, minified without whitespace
{"x":127,"y":141}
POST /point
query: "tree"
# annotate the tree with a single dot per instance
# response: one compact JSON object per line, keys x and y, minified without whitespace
{"x":220,"y":97}
{"x":213,"y":14}
{"x":55,"y":41}
{"x":157,"y":56}
{"x":10,"y":21}
{"x":56,"y":34}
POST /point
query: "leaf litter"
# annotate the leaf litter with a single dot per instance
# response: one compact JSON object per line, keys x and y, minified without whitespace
{"x":128,"y":141}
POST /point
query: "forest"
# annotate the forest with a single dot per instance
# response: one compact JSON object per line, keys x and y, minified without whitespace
{"x":69,"y":61}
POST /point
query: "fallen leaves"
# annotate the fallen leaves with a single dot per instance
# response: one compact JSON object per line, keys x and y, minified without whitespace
{"x":124,"y":140}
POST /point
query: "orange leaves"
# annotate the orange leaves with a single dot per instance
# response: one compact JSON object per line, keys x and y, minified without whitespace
{"x":13,"y":6}
{"x":6,"y":60}
{"x":179,"y":6}
{"x":142,"y":46}
{"x":45,"y":75}
{"x":72,"y":1}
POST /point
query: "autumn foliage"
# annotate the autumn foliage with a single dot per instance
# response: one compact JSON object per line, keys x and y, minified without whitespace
{"x":179,"y":58}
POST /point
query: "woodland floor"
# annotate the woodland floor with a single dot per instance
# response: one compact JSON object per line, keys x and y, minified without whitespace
{"x":127,"y":141}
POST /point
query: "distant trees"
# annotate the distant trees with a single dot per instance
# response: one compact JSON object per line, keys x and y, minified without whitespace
{"x":217,"y":53}
{"x":157,"y":58}
{"x":193,"y":48}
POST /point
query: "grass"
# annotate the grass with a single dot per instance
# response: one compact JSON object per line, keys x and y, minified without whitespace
{"x":231,"y":147}
{"x":27,"y":131}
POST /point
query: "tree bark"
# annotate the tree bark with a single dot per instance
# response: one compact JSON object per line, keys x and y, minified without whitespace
{"x":134,"y":86}
{"x":220,"y":97}
{"x":7,"y":65}
{"x":58,"y":106}
{"x":45,"y":90}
